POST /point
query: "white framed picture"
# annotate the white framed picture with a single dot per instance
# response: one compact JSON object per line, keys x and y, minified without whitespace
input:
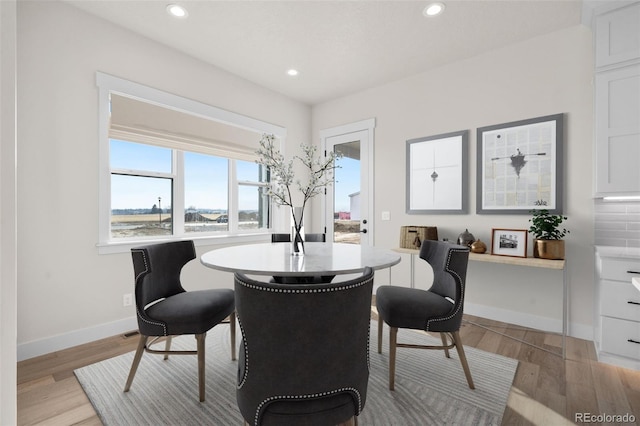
{"x":437,"y":174}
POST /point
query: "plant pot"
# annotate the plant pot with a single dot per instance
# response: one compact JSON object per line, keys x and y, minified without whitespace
{"x":549,"y":249}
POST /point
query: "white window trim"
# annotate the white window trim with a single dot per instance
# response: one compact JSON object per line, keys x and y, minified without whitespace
{"x":108,"y":84}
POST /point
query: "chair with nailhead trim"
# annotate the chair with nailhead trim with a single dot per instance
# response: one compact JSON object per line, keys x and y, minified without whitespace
{"x":315,"y":238}
{"x":165,"y":308}
{"x":438,"y":309}
{"x":304,"y":357}
{"x":310,"y":238}
{"x":280,"y":238}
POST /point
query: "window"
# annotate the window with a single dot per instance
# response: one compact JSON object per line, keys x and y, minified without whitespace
{"x":253,"y":201}
{"x":145,"y":188}
{"x":141,"y":177}
{"x":172,"y":167}
{"x":206,"y":193}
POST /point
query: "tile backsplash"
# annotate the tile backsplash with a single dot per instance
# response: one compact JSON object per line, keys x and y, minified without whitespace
{"x":617,"y":223}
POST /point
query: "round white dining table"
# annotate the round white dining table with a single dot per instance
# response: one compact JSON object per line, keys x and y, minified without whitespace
{"x":318,"y":259}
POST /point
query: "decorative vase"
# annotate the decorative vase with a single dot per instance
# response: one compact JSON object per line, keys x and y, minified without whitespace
{"x":466,"y":238}
{"x":297,"y":232}
{"x":478,"y":246}
{"x":549,"y":249}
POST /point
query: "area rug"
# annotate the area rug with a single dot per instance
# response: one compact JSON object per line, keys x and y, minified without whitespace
{"x":430,"y":389}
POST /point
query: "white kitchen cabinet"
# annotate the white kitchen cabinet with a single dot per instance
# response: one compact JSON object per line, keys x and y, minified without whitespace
{"x":618,"y":35}
{"x":618,"y":130}
{"x":617,"y":102}
{"x":618,"y":308}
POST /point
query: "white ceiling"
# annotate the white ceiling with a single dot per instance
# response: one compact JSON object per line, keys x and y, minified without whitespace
{"x":339,"y":47}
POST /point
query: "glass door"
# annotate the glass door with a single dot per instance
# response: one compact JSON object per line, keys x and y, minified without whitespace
{"x":347,"y":203}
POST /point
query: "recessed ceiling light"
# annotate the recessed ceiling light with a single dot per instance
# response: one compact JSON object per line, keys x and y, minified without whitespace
{"x":177,"y":11}
{"x":292,"y":72}
{"x":433,"y":9}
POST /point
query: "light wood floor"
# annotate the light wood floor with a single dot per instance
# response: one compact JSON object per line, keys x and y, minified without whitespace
{"x":547,"y":390}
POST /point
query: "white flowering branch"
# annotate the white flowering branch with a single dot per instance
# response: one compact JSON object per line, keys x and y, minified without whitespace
{"x":319,"y":174}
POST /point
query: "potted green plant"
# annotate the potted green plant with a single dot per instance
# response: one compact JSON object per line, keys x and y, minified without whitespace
{"x":545,"y":227}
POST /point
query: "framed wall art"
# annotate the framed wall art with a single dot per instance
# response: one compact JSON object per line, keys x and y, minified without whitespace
{"x":509,"y":242}
{"x":437,"y":174}
{"x":519,"y":166}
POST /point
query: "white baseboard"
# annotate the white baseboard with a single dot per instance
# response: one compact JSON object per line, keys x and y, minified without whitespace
{"x":620,"y":361}
{"x":527,"y":320}
{"x":75,"y":338}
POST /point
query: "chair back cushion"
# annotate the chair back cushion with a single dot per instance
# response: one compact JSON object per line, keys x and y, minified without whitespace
{"x":157,"y":271}
{"x":304,"y":357}
{"x":280,"y":238}
{"x":449,"y":263}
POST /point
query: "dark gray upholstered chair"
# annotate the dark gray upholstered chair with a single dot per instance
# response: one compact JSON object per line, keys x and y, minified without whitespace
{"x":175,"y":311}
{"x":280,"y":238}
{"x":318,"y":238}
{"x":315,"y":238}
{"x":438,"y":309}
{"x":304,"y":357}
{"x":286,"y":238}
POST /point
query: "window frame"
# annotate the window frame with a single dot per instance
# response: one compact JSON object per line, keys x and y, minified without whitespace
{"x":254,"y":184}
{"x":177,"y":177}
{"x":108,"y":85}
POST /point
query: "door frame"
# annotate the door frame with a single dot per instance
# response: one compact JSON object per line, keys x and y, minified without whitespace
{"x":367,"y":126}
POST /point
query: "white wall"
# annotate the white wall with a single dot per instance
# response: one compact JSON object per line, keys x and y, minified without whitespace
{"x":67,"y":293}
{"x":8,"y":328}
{"x":542,"y":76}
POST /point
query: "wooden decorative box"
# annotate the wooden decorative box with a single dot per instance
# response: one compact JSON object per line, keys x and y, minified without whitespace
{"x":411,"y":237}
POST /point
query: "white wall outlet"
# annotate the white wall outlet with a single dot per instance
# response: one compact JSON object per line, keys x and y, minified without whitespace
{"x":127,"y":299}
{"x":386,"y":216}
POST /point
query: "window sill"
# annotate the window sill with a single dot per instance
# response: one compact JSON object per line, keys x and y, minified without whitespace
{"x":218,"y":240}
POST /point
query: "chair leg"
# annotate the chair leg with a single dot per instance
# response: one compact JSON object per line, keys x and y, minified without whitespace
{"x":136,"y":361}
{"x":444,"y":343}
{"x":393,"y":340}
{"x":380,"y":327}
{"x":167,"y":347}
{"x":201,"y":381}
{"x":353,"y":421}
{"x":463,"y":359}
{"x":232,"y":332}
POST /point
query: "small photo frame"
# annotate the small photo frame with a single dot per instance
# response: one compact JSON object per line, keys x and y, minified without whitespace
{"x":509,"y":242}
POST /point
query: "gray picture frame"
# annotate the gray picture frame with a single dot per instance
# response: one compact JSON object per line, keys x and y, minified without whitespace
{"x":519,"y":166}
{"x":437,"y":174}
